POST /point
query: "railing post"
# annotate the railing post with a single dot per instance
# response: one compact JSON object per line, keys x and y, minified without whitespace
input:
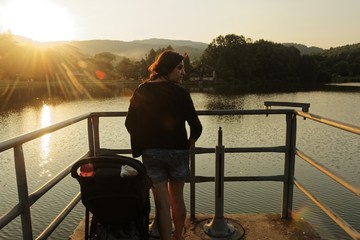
{"x":192,"y":183}
{"x":23,"y":192}
{"x":90,"y":136}
{"x":219,"y":177}
{"x":94,"y":148}
{"x":93,"y":135}
{"x":289,"y":169}
{"x":218,"y":227}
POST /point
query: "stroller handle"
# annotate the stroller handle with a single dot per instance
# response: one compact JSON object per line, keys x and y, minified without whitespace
{"x":108,"y":162}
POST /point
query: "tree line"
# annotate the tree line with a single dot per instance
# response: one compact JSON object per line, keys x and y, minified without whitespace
{"x":263,"y":63}
{"x":238,"y":61}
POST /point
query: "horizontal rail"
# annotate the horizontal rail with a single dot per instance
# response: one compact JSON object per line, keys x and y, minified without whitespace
{"x":276,"y":178}
{"x":40,"y":132}
{"x":339,"y":221}
{"x":209,"y":112}
{"x":330,"y":122}
{"x":304,"y":106}
{"x":108,"y":114}
{"x":62,"y":215}
{"x":326,"y":171}
{"x":202,"y":150}
{"x":277,"y":149}
{"x":244,"y":112}
{"x":105,"y":151}
{"x":7,"y":217}
{"x":10,"y":215}
{"x":33,"y":197}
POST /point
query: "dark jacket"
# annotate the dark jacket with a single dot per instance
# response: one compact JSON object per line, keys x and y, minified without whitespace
{"x":157,"y":115}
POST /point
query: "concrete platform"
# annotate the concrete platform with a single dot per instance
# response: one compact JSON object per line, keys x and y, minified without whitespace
{"x":255,"y":226}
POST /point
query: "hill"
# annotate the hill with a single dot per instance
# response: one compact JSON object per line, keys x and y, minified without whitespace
{"x":305,"y":50}
{"x":350,"y":50}
{"x":138,"y":48}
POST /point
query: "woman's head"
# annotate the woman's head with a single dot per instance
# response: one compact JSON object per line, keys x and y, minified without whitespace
{"x":167,"y":62}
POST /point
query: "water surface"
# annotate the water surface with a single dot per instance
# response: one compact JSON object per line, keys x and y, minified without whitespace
{"x":338,"y":150}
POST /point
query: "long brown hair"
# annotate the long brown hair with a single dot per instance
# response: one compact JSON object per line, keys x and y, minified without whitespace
{"x":164,"y":64}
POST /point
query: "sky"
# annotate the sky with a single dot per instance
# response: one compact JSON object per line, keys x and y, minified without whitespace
{"x":320,"y":23}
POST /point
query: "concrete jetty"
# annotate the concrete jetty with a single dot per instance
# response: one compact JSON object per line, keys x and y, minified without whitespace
{"x":255,"y":226}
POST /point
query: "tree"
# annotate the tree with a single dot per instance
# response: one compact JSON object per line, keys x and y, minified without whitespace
{"x":341,"y":68}
{"x":308,"y":71}
{"x":9,"y":53}
{"x":187,"y":67}
{"x":235,"y":56}
{"x":104,"y":63}
{"x":128,"y":69}
{"x":228,"y":55}
{"x":124,"y":68}
{"x":150,"y":58}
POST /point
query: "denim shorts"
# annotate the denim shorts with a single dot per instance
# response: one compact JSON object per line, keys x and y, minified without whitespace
{"x":166,"y":164}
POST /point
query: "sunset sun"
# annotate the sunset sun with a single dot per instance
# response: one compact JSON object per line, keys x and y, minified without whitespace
{"x":38,"y":20}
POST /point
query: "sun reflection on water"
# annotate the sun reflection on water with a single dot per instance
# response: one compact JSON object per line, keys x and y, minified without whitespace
{"x":45,"y":142}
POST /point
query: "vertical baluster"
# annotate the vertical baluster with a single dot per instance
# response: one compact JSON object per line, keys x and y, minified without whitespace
{"x":23,"y":192}
{"x":288,"y":188}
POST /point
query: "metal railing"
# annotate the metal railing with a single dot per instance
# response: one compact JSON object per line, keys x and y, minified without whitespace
{"x":26,"y":200}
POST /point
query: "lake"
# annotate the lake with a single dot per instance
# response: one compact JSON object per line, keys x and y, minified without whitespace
{"x":337,"y":150}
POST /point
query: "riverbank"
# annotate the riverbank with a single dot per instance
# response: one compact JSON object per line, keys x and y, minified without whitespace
{"x":19,"y":94}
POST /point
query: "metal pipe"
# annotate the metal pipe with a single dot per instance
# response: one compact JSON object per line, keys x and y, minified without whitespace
{"x":62,"y":215}
{"x":95,"y":124}
{"x":338,"y":220}
{"x":289,"y":168}
{"x":275,"y":178}
{"x":330,"y":122}
{"x":34,"y":196}
{"x":192,"y":183}
{"x":23,"y":192}
{"x":244,"y":112}
{"x":90,"y":136}
{"x":219,"y":227}
{"x":330,"y":174}
{"x":7,"y":217}
{"x":38,"y":133}
{"x":219,"y":178}
{"x":304,"y":106}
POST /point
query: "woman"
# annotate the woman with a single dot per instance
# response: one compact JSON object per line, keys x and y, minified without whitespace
{"x":158,"y":111}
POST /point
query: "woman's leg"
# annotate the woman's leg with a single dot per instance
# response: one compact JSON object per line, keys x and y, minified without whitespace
{"x":176,"y":195}
{"x":162,"y":204}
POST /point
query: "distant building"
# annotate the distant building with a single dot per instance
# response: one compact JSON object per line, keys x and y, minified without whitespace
{"x":203,"y":72}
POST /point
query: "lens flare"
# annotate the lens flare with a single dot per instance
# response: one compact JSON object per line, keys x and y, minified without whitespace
{"x":301,"y":213}
{"x":100,"y":74}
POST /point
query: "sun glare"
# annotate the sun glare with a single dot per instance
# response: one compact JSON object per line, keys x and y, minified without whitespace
{"x":38,"y":20}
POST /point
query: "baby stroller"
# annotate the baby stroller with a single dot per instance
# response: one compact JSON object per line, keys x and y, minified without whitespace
{"x":117,"y":198}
